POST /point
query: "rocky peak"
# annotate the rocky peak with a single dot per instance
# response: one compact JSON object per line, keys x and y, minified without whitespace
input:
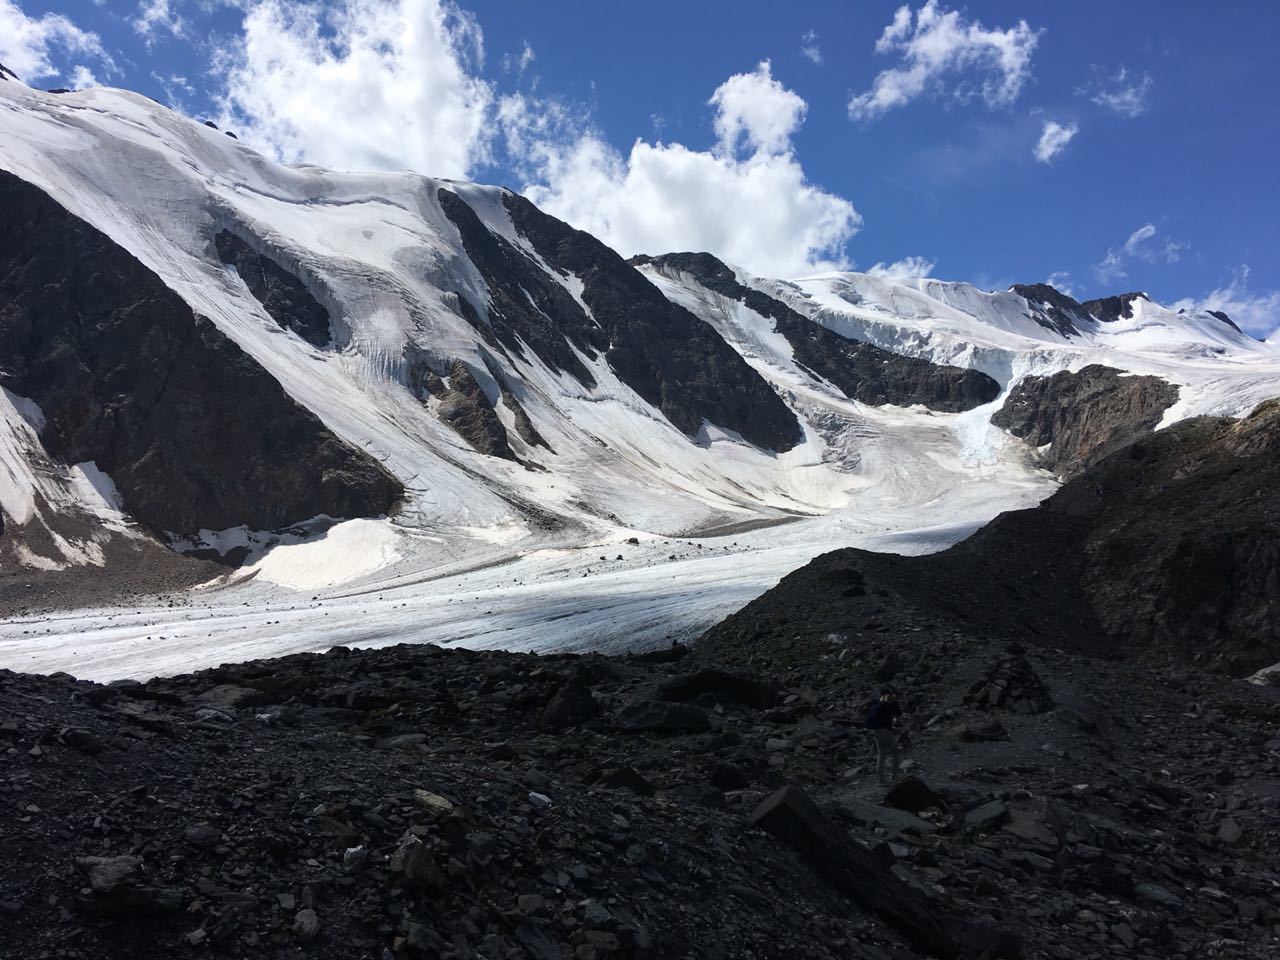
{"x":1052,"y":308}
{"x":1111,"y":309}
{"x":861,"y":371}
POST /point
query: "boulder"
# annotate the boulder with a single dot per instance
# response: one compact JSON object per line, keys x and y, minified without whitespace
{"x":657,"y":716}
{"x":726,"y":686}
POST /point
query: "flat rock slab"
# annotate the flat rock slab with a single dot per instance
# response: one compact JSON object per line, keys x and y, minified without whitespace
{"x":872,"y":814}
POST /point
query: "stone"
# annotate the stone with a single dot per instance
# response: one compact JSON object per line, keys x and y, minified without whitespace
{"x":986,"y":815}
{"x":231,"y":697}
{"x":571,"y":705}
{"x":413,"y":862}
{"x":306,"y":925}
{"x":1229,"y":831}
{"x":81,"y":739}
{"x":723,"y":685}
{"x":890,"y":818}
{"x":627,"y":778}
{"x":106,"y":874}
{"x":913,"y":795}
{"x":656,"y":716}
{"x":868,"y":878}
{"x":203,"y":835}
{"x":432,"y":802}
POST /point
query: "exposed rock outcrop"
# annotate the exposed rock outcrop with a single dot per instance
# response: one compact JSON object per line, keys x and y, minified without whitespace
{"x":192,"y":430}
{"x":526,"y":307}
{"x":1084,"y":416}
{"x":1053,"y":309}
{"x":1167,"y":550}
{"x":465,"y":407}
{"x":672,"y":359}
{"x":1114,"y":308}
{"x":861,"y":371}
{"x":285,"y":298}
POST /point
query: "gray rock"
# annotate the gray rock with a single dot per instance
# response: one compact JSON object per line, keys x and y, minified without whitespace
{"x":306,"y":925}
{"x":656,"y":716}
{"x":872,"y":814}
{"x":986,"y":815}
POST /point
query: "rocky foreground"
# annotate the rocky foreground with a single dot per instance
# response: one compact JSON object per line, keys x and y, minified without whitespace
{"x":422,"y":802}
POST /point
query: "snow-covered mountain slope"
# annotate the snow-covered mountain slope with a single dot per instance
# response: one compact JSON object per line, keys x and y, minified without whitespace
{"x":1219,"y":369}
{"x":591,"y":453}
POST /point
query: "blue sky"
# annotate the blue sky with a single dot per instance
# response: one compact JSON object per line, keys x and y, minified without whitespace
{"x":1111,"y":146}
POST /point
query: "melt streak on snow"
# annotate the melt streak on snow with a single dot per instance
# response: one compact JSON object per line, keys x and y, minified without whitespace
{"x":487,"y":553}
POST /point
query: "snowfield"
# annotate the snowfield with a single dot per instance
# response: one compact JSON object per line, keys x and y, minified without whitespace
{"x":486,"y":552}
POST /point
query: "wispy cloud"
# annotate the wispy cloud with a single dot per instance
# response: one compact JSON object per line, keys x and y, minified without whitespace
{"x":520,"y":62}
{"x":1256,"y":313}
{"x":1054,"y":139}
{"x":156,"y":16}
{"x":1061,"y":280}
{"x":941,"y":52}
{"x":1140,"y":245}
{"x":1122,"y":93}
{"x":809,"y":46}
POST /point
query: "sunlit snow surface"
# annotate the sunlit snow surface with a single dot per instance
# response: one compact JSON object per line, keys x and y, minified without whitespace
{"x":486,"y":553}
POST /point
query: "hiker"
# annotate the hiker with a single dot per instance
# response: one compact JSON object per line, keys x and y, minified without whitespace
{"x":880,"y":721}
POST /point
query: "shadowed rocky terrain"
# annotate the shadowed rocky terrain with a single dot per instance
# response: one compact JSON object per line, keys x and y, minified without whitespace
{"x":1167,"y":551}
{"x":717,"y":802}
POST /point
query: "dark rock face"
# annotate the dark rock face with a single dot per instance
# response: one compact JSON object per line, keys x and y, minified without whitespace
{"x":192,"y":430}
{"x":673,"y":360}
{"x":1051,"y":308}
{"x":6,"y":73}
{"x":1165,"y":551}
{"x":466,"y":408}
{"x":1111,"y":309}
{"x":1084,"y":416}
{"x":863,"y":372}
{"x":1225,"y":318}
{"x":524,"y":303}
{"x":281,"y":294}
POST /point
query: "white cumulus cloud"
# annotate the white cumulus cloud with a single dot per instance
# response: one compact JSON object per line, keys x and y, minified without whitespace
{"x":1256,"y":313}
{"x":360,"y":84}
{"x":755,"y":108}
{"x":941,"y":51}
{"x":746,"y":199}
{"x":28,"y":44}
{"x":1054,"y":139}
{"x":908,"y":268}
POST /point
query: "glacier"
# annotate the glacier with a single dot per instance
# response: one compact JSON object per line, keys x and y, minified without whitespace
{"x":631,"y":534}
